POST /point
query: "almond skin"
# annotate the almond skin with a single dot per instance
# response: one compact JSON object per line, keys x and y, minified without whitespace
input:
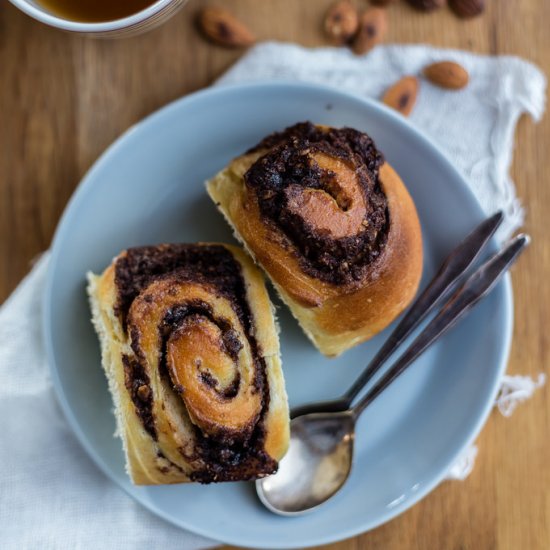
{"x":426,"y":5}
{"x":372,"y":30}
{"x":447,"y":74}
{"x":402,"y":95}
{"x":224,"y":29}
{"x":341,"y":22}
{"x":467,"y":8}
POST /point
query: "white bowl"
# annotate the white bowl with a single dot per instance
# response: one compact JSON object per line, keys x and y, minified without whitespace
{"x":136,"y":23}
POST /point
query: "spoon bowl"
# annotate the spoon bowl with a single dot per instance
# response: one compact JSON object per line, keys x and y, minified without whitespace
{"x":316,"y":466}
{"x":320,"y":455}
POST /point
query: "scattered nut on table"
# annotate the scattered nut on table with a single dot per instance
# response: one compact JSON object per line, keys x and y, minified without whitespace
{"x":427,"y":5}
{"x":341,"y":22}
{"x":447,"y":74}
{"x":467,"y":8}
{"x":223,"y":28}
{"x":402,"y":95}
{"x":373,"y":26}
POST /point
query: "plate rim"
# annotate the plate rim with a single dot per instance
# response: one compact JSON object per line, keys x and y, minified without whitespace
{"x":83,"y":188}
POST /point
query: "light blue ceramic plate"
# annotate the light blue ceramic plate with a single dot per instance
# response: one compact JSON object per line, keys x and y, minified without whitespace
{"x":149,"y":188}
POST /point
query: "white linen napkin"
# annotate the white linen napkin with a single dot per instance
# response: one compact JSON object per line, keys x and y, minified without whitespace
{"x":51,"y":495}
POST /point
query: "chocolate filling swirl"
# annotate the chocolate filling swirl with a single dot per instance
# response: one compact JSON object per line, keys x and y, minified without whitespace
{"x":149,"y":282}
{"x":320,"y":187}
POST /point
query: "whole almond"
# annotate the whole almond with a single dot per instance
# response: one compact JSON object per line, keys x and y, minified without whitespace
{"x":341,"y":22}
{"x":447,"y":74}
{"x":426,"y":5}
{"x":467,"y":8}
{"x":223,"y":28}
{"x":402,"y":95}
{"x":373,"y":26}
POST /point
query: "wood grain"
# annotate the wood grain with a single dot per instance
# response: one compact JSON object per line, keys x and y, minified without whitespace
{"x":64,"y":98}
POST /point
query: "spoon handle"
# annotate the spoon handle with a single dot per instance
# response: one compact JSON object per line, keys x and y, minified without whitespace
{"x":479,"y":284}
{"x":449,"y":273}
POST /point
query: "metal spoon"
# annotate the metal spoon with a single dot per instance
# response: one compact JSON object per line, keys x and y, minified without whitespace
{"x":450,"y":272}
{"x":320,"y":454}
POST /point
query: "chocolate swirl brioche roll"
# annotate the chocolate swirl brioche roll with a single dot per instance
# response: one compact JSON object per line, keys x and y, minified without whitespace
{"x":191,"y":354}
{"x":332,"y":225}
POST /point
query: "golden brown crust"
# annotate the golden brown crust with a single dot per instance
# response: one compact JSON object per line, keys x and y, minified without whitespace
{"x":186,"y":409}
{"x":335,"y":316}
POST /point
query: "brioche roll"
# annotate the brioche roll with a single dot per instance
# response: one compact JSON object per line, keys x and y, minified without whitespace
{"x":191,"y":353}
{"x":332,"y":225}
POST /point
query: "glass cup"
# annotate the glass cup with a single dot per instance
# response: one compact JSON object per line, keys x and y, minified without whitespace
{"x":139,"y":22}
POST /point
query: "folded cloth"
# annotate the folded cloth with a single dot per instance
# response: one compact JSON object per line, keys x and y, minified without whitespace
{"x":51,"y":495}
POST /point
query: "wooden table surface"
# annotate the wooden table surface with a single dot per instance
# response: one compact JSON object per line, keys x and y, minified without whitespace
{"x":64,"y":98}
